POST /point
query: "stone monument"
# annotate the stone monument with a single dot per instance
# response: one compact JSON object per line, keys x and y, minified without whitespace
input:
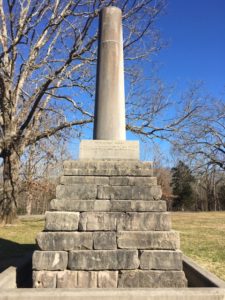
{"x":107,"y":227}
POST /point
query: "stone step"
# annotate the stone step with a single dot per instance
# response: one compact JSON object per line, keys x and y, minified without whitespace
{"x":114,"y":180}
{"x":161,"y":260}
{"x":163,"y":240}
{"x":50,"y":260}
{"x":76,"y":191}
{"x":129,"y":192}
{"x":107,"y":164}
{"x":75,"y":279}
{"x":98,"y":180}
{"x":87,"y":279}
{"x":91,"y":191}
{"x":107,"y":205}
{"x":103,"y":260}
{"x":117,"y":221}
{"x":61,"y":221}
{"x":135,"y":180}
{"x":64,"y":241}
{"x":108,"y":172}
{"x":152,"y":279}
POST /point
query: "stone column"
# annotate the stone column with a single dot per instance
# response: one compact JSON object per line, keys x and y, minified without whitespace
{"x":110,"y":101}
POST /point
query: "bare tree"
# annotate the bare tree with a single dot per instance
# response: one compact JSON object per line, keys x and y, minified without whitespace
{"x":202,"y":139}
{"x":47,"y":59}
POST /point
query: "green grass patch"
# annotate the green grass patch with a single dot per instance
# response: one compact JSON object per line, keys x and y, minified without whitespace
{"x":202,"y":238}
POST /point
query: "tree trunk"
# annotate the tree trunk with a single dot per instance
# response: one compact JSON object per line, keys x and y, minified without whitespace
{"x":8,"y":202}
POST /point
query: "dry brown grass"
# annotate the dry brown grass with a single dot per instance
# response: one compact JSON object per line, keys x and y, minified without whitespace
{"x":203,"y":238}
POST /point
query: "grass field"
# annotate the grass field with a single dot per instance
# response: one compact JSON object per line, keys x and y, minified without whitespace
{"x":202,"y":238}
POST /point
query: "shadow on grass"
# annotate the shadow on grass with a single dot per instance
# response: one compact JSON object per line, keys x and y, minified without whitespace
{"x":19,"y":256}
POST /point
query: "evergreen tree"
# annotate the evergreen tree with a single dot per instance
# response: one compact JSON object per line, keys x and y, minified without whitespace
{"x":182,"y":180}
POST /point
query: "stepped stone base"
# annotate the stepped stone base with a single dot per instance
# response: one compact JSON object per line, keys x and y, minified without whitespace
{"x":108,"y":228}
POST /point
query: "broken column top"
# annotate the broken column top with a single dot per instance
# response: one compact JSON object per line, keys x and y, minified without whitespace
{"x":109,"y":125}
{"x":110,"y":100}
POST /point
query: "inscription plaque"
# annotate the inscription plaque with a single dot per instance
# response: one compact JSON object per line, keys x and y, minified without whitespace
{"x":106,"y":149}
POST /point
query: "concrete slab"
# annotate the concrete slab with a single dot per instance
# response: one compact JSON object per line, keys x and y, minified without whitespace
{"x":114,"y":294}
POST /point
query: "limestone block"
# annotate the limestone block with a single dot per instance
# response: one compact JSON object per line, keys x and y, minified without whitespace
{"x":59,"y":241}
{"x":107,"y":168}
{"x":84,"y":180}
{"x":87,"y":279}
{"x":80,"y":205}
{"x":103,"y":260}
{"x":137,"y":205}
{"x":107,"y":279}
{"x":161,"y":260}
{"x":44,"y":279}
{"x":107,"y":164}
{"x":61,"y":221}
{"x":144,"y":221}
{"x":152,"y":279}
{"x":66,"y":279}
{"x":76,"y":191}
{"x":107,"y":205}
{"x":77,"y":279}
{"x":148,"y":240}
{"x":105,"y":240}
{"x":98,"y":221}
{"x":129,"y":192}
{"x":139,"y":181}
{"x":50,"y":260}
{"x":108,"y":172}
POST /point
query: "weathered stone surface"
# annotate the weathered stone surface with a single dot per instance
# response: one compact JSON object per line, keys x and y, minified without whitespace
{"x":107,"y":168}
{"x":105,"y":240}
{"x":44,"y":279}
{"x":64,"y":240}
{"x":139,"y":181}
{"x":77,"y":279}
{"x":50,"y":260}
{"x":109,"y":121}
{"x":107,"y":164}
{"x":84,"y":180}
{"x":148,"y":240}
{"x":144,"y":221}
{"x":130,"y":192}
{"x":137,"y":205}
{"x":161,"y":260}
{"x":66,"y":279}
{"x":80,"y":205}
{"x":109,"y":172}
{"x":76,"y":191}
{"x":91,"y":221}
{"x":87,"y":279}
{"x":99,"y":220}
{"x":107,"y":205}
{"x":103,"y":260}
{"x":107,"y":279}
{"x":61,"y":221}
{"x":152,"y":279}
{"x":109,"y":150}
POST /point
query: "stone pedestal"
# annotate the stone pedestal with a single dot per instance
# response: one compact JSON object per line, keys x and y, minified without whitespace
{"x":108,"y":228}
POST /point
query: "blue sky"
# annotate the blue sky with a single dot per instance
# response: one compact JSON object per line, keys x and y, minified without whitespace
{"x":195,"y":32}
